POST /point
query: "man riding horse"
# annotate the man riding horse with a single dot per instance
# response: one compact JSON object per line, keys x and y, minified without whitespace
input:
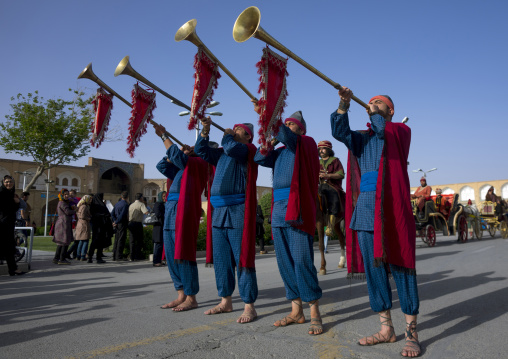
{"x":331,"y":198}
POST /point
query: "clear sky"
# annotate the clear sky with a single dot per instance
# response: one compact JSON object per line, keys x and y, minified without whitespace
{"x":442,"y":62}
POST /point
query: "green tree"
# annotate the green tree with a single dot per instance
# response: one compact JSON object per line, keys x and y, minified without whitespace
{"x":51,"y":132}
{"x":266,"y":204}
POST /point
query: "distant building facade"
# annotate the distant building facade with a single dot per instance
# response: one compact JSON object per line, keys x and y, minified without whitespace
{"x":98,"y":176}
{"x":474,"y":191}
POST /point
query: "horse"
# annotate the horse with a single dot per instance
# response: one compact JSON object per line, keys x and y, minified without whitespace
{"x":333,"y":223}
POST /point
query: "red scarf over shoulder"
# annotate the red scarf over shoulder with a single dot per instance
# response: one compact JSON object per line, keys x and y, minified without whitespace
{"x":188,"y":210}
{"x":248,"y":250}
{"x":301,"y":210}
{"x":394,"y":225}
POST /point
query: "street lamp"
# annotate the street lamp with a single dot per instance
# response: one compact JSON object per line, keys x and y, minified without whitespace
{"x":24,"y":173}
{"x":424,"y":172}
{"x":213,"y":113}
{"x":48,"y":182}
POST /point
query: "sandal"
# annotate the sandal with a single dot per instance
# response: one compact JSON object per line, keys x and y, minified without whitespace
{"x":316,"y":324}
{"x":380,"y":338}
{"x":300,"y":319}
{"x":412,"y":343}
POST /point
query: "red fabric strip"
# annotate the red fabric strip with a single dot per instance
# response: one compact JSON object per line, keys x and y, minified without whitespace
{"x":102,"y":106}
{"x":301,"y":210}
{"x":143,"y":103}
{"x":248,"y":250}
{"x":188,"y":210}
{"x":272,"y":84}
{"x":206,"y":76}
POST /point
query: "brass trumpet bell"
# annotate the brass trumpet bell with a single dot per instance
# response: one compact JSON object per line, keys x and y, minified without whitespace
{"x":247,"y":26}
{"x":87,"y":73}
{"x":125,"y":68}
{"x":188,"y":32}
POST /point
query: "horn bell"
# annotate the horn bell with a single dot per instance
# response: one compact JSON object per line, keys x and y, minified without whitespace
{"x":87,"y":73}
{"x":125,"y":68}
{"x":188,"y":32}
{"x":246,"y":24}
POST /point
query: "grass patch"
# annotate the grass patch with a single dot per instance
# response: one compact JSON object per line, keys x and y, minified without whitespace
{"x":44,"y":244}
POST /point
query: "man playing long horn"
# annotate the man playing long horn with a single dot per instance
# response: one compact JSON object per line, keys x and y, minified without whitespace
{"x":378,"y":215}
{"x":233,"y":197}
{"x":295,"y":183}
{"x":181,"y":218}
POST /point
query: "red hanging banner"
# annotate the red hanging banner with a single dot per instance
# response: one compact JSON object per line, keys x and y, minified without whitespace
{"x":102,"y":106}
{"x":272,"y":85}
{"x":206,"y":76}
{"x":143,"y":103}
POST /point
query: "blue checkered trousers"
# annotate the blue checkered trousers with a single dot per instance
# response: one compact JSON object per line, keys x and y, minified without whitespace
{"x":293,"y":247}
{"x":227,"y":221}
{"x":368,"y":148}
{"x":184,"y":275}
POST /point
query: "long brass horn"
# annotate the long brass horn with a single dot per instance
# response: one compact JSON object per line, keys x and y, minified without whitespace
{"x":247,"y":26}
{"x":125,"y":68}
{"x":87,"y":73}
{"x":188,"y":32}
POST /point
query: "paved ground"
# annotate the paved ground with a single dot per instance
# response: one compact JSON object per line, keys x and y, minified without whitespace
{"x":112,"y":311}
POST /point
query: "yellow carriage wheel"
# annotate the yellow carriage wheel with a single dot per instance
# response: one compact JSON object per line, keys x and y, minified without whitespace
{"x":503,"y":228}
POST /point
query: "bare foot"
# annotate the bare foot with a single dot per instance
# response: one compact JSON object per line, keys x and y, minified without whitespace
{"x":248,"y":315}
{"x":222,"y":307}
{"x":188,"y":304}
{"x":174,"y":303}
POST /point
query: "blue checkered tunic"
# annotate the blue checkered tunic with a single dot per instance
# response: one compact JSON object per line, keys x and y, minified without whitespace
{"x":293,"y":248}
{"x":230,"y":178}
{"x":173,"y":171}
{"x":184,"y":276}
{"x":368,"y":148}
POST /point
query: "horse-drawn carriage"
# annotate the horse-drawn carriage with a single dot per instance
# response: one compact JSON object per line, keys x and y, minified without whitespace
{"x":492,"y":220}
{"x":431,"y":220}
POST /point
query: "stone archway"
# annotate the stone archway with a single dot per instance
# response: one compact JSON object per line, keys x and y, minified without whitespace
{"x":112,"y":183}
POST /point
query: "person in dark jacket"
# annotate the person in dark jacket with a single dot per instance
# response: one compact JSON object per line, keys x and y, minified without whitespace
{"x":102,"y":227}
{"x":63,"y":227}
{"x":8,"y":207}
{"x":260,"y":229}
{"x":159,"y":210}
{"x":120,"y":216}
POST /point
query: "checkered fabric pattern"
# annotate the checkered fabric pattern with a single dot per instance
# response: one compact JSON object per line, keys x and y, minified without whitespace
{"x":174,"y":171}
{"x":230,"y":177}
{"x":227,"y":243}
{"x":380,"y":291}
{"x":185,"y":276}
{"x":295,"y":258}
{"x":368,"y":148}
{"x":282,"y":161}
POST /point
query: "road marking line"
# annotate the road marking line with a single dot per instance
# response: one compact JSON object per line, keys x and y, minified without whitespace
{"x":483,"y":249}
{"x":326,"y":345}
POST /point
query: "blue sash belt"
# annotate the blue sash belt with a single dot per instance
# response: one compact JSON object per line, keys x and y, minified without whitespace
{"x":280,"y":194}
{"x":369,"y":181}
{"x":173,"y":197}
{"x":228,"y":200}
